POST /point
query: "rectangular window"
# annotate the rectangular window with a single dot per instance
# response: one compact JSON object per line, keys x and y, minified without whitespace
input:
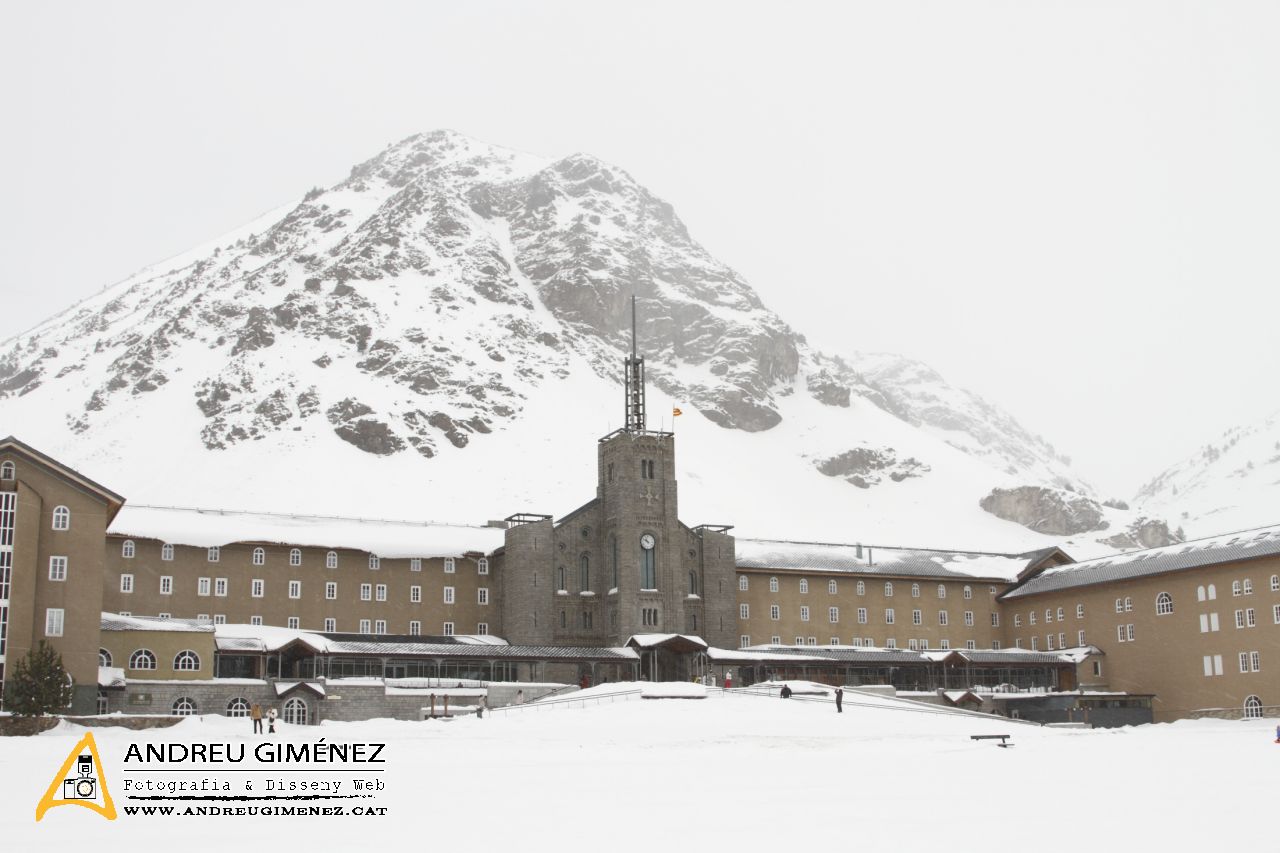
{"x":1255,"y":661}
{"x":293,"y":623}
{"x":380,"y":626}
{"x":415,"y":628}
{"x":255,"y":620}
{"x":1129,"y":631}
{"x":164,"y":615}
{"x":415,"y":595}
{"x":482,"y":628}
{"x":775,"y":640}
{"x":861,"y":588}
{"x":1080,"y":638}
{"x":366,"y":593}
{"x":1217,"y":664}
{"x":1204,"y":623}
{"x":775,"y":612}
{"x":804,"y":613}
{"x":833,"y":616}
{"x":891,"y":643}
{"x":968,"y":618}
{"x":53,"y":618}
{"x":295,"y":589}
{"x":219,"y":618}
{"x":331,"y":591}
{"x":917,"y":617}
{"x":415,"y":564}
{"x":448,"y":629}
{"x":214,"y":553}
{"x":380,"y":592}
{"x":744,"y":611}
{"x":126,"y":583}
{"x":366,"y":626}
{"x":744,"y":641}
{"x":913,"y":644}
{"x":743,"y":583}
{"x":449,"y":566}
{"x":1239,"y":618}
{"x":57,"y":568}
{"x":1062,"y":641}
{"x":330,"y":624}
{"x":970,"y":645}
{"x":1031,"y":618}
{"x":1048,"y":641}
{"x":862,"y":616}
{"x":166,"y":585}
{"x":1035,"y":644}
{"x":1120,"y":634}
{"x":203,"y":586}
{"x":1213,"y":621}
{"x":1079,"y":611}
{"x":995,"y":644}
{"x":257,"y":587}
{"x":1244,"y":661}
{"x":1275,"y":613}
{"x":942,"y":617}
{"x":482,"y":595}
{"x":1208,"y":665}
{"x":1059,"y":614}
{"x":1250,"y":618}
{"x":924,"y":645}
{"x":995,"y":620}
{"x":1017,"y":620}
{"x":888,"y":616}
{"x":448,"y":595}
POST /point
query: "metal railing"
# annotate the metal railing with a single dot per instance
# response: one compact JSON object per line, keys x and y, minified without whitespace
{"x":908,"y":705}
{"x":571,"y":701}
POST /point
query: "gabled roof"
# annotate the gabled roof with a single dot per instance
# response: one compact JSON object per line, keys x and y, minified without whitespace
{"x":678,"y":643}
{"x":71,"y":475}
{"x":784,"y":555}
{"x":1199,"y":553}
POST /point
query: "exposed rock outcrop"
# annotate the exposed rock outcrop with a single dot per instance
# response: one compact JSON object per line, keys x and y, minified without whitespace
{"x":1045,"y":510}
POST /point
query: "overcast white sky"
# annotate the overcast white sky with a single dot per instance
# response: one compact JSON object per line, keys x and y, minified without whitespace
{"x":1071,"y":208}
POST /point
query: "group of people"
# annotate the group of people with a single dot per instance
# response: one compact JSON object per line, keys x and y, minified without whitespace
{"x":785,"y":693}
{"x":255,"y":714}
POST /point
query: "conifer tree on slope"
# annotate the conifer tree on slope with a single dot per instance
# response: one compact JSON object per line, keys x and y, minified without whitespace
{"x":38,"y":684}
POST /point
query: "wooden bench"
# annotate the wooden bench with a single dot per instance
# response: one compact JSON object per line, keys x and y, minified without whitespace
{"x":1004,"y":739}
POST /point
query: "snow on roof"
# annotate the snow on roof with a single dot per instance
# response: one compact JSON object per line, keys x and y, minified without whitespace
{"x":1229,"y":547}
{"x":875,"y":559}
{"x":111,"y":676}
{"x":867,"y":655}
{"x":648,"y":641}
{"x":283,"y":687}
{"x":391,"y":539}
{"x":116,"y":622}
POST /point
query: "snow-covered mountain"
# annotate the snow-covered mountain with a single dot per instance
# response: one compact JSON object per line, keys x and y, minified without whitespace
{"x":440,"y":336}
{"x":1233,"y":483}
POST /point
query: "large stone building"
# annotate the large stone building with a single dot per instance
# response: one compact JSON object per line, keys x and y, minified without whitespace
{"x":177,"y":609}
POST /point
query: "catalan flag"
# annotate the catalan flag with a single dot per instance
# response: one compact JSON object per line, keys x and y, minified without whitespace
{"x":675,"y":412}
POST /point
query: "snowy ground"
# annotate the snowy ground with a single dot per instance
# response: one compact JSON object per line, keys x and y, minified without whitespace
{"x":752,"y":772}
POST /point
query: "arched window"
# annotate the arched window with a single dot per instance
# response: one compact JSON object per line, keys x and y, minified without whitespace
{"x":1164,"y":604}
{"x":61,"y":518}
{"x":295,"y":556}
{"x":648,"y":568}
{"x":238,"y":707}
{"x":1252,"y":708}
{"x":1128,"y":604}
{"x":968,"y":592}
{"x":127,"y":549}
{"x":184,"y":706}
{"x":613,"y":546}
{"x":831,"y":587}
{"x":295,"y":712}
{"x":374,"y":562}
{"x":888,"y":589}
{"x":693,"y":583}
{"x":1275,"y":583}
{"x":862,"y":588}
{"x":1213,"y":592}
{"x":142,"y":659}
{"x":259,"y":557}
{"x":104,"y":657}
{"x":942,"y":591}
{"x":804,"y":586}
{"x":560,"y":578}
{"x":186,"y":661}
{"x":1199,"y":593}
{"x":7,"y":471}
{"x":773,"y":584}
{"x":166,"y":551}
{"x":584,"y":573}
{"x":915,"y":590}
{"x":331,"y":560}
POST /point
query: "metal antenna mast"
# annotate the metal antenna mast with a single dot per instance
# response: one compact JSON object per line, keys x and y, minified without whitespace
{"x":634,"y":380}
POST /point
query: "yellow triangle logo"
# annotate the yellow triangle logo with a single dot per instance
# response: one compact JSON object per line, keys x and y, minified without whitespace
{"x":80,"y":781}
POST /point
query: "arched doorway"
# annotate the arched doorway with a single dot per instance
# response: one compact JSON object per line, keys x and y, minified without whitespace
{"x":295,"y":712}
{"x":1252,"y":707}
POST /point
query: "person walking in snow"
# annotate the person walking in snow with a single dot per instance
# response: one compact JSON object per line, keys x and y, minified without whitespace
{"x":255,"y":713}
{"x":271,"y":721}
{"x":839,"y":700}
{"x":786,"y":691}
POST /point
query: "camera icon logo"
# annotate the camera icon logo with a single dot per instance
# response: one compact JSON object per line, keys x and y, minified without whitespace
{"x":85,"y":786}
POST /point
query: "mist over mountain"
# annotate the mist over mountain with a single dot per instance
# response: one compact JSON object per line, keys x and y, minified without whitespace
{"x":440,"y":336}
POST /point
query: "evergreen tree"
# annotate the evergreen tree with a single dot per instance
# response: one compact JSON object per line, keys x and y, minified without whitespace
{"x":38,"y":684}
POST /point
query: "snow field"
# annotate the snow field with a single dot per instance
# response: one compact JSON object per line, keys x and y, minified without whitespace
{"x":736,"y":770}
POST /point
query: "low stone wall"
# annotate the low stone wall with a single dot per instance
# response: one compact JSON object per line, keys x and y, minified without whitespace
{"x":28,"y":726}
